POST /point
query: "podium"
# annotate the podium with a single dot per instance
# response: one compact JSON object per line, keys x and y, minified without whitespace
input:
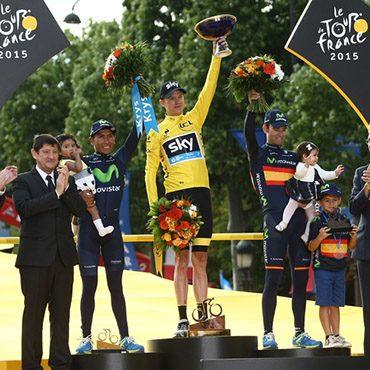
{"x":186,"y":353}
{"x":113,"y":359}
{"x":219,"y":353}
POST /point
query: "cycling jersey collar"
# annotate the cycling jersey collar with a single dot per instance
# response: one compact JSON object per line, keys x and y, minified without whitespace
{"x":274,"y":146}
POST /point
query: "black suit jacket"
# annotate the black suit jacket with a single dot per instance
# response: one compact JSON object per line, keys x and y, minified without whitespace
{"x":2,"y":200}
{"x":359,"y":205}
{"x":45,"y":220}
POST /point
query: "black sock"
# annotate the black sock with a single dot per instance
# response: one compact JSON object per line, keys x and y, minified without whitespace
{"x":182,"y":312}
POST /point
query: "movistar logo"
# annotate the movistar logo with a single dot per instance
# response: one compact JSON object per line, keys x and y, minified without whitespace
{"x":105,"y":177}
{"x":317,"y":263}
{"x":266,"y":234}
{"x":271,"y":160}
{"x":325,"y":186}
{"x":280,"y":115}
{"x":264,"y":200}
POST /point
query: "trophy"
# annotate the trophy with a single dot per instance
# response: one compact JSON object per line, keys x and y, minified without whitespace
{"x":107,"y":340}
{"x":209,"y":321}
{"x":216,"y":26}
{"x":339,"y":226}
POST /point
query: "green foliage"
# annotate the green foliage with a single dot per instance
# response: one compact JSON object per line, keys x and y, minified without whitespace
{"x":68,"y":94}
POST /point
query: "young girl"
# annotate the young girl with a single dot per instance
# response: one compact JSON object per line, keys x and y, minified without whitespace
{"x":71,"y":154}
{"x":304,"y":187}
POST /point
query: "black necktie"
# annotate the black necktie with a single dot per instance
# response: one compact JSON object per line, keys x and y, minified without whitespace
{"x":51,"y":186}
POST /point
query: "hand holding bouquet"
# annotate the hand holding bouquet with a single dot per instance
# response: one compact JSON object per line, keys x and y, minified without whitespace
{"x":259,"y":73}
{"x":174,"y":223}
{"x":124,"y":65}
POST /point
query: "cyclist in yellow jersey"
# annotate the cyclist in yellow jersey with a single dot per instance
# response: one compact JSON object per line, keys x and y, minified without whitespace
{"x":179,"y":148}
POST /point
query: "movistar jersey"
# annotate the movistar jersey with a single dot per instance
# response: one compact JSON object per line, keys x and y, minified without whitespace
{"x":109,"y":172}
{"x":270,"y":166}
{"x":332,"y":253}
{"x":179,"y":146}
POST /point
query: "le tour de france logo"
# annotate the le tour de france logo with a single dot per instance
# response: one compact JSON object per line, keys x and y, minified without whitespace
{"x":17,"y":28}
{"x":341,"y":33}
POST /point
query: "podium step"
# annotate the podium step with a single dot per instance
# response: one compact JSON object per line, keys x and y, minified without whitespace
{"x":186,"y":353}
{"x":304,"y":352}
{"x":293,"y":359}
{"x":111,"y":359}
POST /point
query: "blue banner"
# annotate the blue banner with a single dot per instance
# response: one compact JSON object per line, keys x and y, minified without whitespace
{"x":131,"y":262}
{"x":239,"y":136}
{"x":143,"y":111}
{"x":224,"y":283}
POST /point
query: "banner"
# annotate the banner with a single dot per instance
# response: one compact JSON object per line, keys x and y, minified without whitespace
{"x":8,"y":214}
{"x":131,"y":262}
{"x":29,"y":36}
{"x":239,"y":136}
{"x":143,"y":111}
{"x":332,"y":37}
{"x":224,"y":283}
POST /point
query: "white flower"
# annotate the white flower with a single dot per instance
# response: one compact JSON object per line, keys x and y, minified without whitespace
{"x":192,"y":209}
{"x":111,"y":61}
{"x":279,"y":74}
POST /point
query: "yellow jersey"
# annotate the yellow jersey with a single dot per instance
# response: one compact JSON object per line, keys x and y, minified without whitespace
{"x":179,"y":146}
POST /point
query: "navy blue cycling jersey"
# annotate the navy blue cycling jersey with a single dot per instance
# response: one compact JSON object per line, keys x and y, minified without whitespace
{"x":270,"y":167}
{"x":332,"y":253}
{"x":109,"y":172}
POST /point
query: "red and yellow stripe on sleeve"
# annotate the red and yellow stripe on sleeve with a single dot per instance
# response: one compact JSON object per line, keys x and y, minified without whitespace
{"x":277,"y":175}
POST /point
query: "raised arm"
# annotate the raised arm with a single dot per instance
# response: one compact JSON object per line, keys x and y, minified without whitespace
{"x":125,"y":152}
{"x":152,"y":164}
{"x":250,"y":135}
{"x":205,"y":98}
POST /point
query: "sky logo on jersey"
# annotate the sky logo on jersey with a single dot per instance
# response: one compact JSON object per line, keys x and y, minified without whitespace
{"x":183,"y":148}
{"x":105,"y":177}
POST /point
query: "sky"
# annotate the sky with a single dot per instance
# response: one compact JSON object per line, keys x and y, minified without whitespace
{"x":85,"y":9}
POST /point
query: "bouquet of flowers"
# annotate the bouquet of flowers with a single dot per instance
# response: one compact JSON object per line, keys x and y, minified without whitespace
{"x":174,"y":223}
{"x":126,"y":63}
{"x":259,"y":73}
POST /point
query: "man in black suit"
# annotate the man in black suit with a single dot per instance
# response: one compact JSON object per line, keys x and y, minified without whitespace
{"x":359,"y":205}
{"x":7,"y":175}
{"x":45,"y":198}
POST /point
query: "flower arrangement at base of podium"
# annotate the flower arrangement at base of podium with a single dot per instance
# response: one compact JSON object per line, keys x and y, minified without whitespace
{"x":174,"y":223}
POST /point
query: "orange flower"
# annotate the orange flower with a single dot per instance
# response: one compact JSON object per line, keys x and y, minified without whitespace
{"x":163,"y":225}
{"x":184,"y":225}
{"x":116,"y":53}
{"x":176,"y":214}
{"x":269,"y":69}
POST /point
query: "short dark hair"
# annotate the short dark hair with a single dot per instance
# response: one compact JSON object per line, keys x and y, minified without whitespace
{"x":306,"y":147}
{"x":40,"y":140}
{"x":63,"y":137}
